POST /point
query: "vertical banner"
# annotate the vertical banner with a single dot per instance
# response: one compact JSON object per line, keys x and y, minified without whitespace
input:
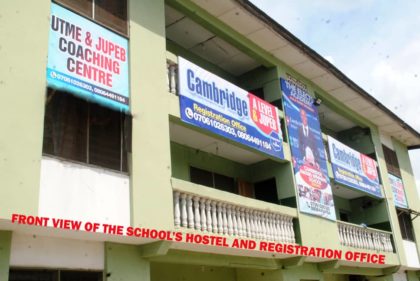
{"x":308,"y":154}
{"x":87,"y":60}
{"x":400,"y":200}
{"x":353,"y":168}
{"x":214,"y":104}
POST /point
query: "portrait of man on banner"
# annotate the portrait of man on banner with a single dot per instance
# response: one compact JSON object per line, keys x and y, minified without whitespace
{"x":307,"y":148}
{"x":307,"y":145}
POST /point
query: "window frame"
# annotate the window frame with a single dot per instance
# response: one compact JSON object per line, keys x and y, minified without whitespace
{"x":125,"y":135}
{"x":391,"y":161}
{"x":406,"y":228}
{"x":213,"y":176}
{"x":92,"y":17}
{"x":55,"y":273}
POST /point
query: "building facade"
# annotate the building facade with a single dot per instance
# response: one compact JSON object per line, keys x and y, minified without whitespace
{"x":152,"y":135}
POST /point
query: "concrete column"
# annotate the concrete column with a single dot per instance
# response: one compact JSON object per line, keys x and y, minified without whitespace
{"x":5,"y":242}
{"x":150,"y":163}
{"x":124,"y":263}
{"x":23,"y":56}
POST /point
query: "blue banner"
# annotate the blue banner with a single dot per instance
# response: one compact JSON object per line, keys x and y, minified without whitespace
{"x":210,"y":102}
{"x":308,"y":154}
{"x":353,"y":168}
{"x":400,"y":200}
{"x":87,"y":60}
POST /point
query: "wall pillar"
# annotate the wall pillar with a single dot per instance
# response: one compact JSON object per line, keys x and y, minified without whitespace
{"x":124,"y":263}
{"x":5,"y":242}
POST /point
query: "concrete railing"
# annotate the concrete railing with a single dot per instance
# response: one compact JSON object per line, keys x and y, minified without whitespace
{"x":357,"y":236}
{"x":220,"y":217}
{"x":172,"y":72}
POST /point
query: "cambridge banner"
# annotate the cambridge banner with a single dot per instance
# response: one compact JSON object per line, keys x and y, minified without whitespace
{"x":308,"y":154}
{"x":397,"y":186}
{"x":87,"y":60}
{"x":353,"y":168}
{"x":214,"y":104}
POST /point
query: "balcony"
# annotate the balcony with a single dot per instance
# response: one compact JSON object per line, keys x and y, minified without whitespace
{"x":356,"y":236}
{"x":212,"y":211}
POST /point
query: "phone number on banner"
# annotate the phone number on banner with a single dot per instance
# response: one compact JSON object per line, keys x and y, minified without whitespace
{"x":230,"y":130}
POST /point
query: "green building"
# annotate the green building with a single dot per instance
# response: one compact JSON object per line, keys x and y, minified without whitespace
{"x":137,"y":152}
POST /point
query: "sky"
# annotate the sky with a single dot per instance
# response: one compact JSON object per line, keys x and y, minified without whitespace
{"x":376,"y":43}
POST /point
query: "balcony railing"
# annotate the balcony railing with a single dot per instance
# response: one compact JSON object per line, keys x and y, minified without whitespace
{"x":172,"y":72}
{"x":356,"y":236}
{"x":201,"y":213}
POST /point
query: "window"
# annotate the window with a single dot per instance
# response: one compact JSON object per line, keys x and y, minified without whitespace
{"x":344,"y":216}
{"x":406,"y":226}
{"x":86,"y":132}
{"x":267,"y":191}
{"x":110,"y":13}
{"x":211,"y":179}
{"x":53,"y":275}
{"x":391,"y":161}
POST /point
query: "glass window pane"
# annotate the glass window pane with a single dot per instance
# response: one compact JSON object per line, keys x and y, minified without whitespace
{"x":32,"y":275}
{"x":80,"y":276}
{"x":83,"y":7}
{"x":126,"y":141}
{"x":200,"y":176}
{"x":65,"y":126}
{"x":224,"y":183}
{"x":112,"y":13}
{"x":105,"y":137}
{"x":267,"y":191}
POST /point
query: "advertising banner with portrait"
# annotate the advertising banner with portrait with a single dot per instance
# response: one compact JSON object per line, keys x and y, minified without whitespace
{"x":307,"y":148}
{"x":214,"y":104}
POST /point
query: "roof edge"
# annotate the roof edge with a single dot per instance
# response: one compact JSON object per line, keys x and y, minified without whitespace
{"x":257,"y":12}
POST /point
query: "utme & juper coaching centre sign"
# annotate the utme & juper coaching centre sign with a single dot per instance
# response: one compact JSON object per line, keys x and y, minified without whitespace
{"x":308,"y":157}
{"x":214,"y":104}
{"x":87,"y":60}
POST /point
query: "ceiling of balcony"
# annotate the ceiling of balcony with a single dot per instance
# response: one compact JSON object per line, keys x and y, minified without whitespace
{"x":346,"y":192}
{"x":333,"y":121}
{"x":193,"y":37}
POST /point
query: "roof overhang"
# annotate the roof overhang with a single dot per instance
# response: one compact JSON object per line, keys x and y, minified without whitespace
{"x":248,"y":20}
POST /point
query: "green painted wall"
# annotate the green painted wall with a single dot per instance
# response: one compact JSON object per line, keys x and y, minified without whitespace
{"x":183,"y":157}
{"x":319,"y":232}
{"x":341,"y":204}
{"x":258,"y":78}
{"x":124,"y":263}
{"x":5,"y":241}
{"x":412,"y":276}
{"x":409,"y":185}
{"x":150,"y":161}
{"x":178,"y":272}
{"x":358,"y":139}
{"x":305,"y":272}
{"x":335,"y":277}
{"x":390,"y":207}
{"x":281,"y":171}
{"x":368,"y":211}
{"x":244,"y":274}
{"x":407,"y":175}
{"x":23,"y":58}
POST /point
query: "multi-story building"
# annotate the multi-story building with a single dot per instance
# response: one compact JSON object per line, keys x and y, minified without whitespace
{"x":202,"y":118}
